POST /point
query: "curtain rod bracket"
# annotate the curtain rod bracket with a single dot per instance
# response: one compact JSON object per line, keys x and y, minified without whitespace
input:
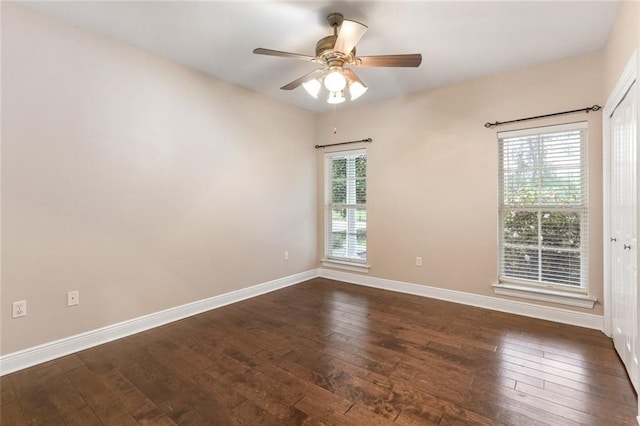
{"x":500,"y":123}
{"x":367,"y":140}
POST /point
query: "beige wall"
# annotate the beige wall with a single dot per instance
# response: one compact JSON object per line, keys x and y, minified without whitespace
{"x":146,"y":185}
{"x":623,"y":40}
{"x":432,"y":170}
{"x":138,"y":182}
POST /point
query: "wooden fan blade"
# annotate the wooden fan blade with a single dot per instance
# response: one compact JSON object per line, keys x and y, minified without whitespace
{"x":410,"y":60}
{"x":350,"y":34}
{"x":270,"y":52}
{"x":352,"y":76}
{"x":309,"y":76}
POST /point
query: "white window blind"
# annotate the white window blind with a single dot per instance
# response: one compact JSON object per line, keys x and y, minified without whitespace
{"x":345,"y":197}
{"x":544,"y":206}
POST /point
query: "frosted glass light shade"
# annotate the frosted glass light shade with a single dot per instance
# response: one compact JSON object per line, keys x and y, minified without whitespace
{"x":312,"y":87}
{"x":335,"y":81}
{"x":336,"y":98}
{"x":356,"y":89}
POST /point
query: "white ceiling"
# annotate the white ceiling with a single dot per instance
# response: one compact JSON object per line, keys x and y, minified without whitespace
{"x":458,"y":40}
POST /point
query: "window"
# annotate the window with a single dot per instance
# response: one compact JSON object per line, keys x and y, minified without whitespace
{"x":346,"y":207}
{"x":544,"y":207}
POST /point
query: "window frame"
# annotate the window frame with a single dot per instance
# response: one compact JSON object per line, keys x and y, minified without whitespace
{"x":539,"y":289}
{"x":329,"y":259}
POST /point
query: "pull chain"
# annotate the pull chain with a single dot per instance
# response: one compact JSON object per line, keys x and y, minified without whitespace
{"x":333,"y":118}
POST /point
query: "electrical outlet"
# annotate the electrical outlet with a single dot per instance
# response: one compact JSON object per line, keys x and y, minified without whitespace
{"x":286,"y":255}
{"x":73,"y":298}
{"x":19,"y":309}
{"x":418,"y":261}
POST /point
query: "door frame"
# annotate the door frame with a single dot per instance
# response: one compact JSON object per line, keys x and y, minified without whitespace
{"x":629,"y":76}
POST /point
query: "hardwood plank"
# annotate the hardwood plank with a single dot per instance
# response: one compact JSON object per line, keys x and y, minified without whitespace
{"x":505,"y":407}
{"x":586,"y":394}
{"x":45,"y":414}
{"x":328,"y":353}
{"x":248,"y":413}
{"x":331,"y":400}
{"x":606,"y":413}
{"x":11,"y":414}
{"x":8,"y":394}
{"x":363,"y":415}
{"x":69,"y":362}
{"x":133,"y":400}
{"x":182,"y":399}
{"x":543,"y":366}
{"x":34,"y":399}
{"x":211,"y":384}
{"x":324,"y":413}
{"x":449,"y":419}
{"x":63,"y":394}
{"x":257,"y":395}
{"x":98,"y":397}
{"x":410,"y":417}
{"x":85,"y":416}
{"x":162,"y":420}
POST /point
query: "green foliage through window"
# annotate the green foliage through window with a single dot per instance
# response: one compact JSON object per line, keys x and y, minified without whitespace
{"x":346,"y":179}
{"x":544,"y":207}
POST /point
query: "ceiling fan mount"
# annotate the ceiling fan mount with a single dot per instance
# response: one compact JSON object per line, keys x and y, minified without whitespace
{"x":335,"y":19}
{"x":336,"y":51}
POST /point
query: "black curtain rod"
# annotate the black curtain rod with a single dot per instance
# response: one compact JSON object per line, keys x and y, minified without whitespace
{"x":500,"y":123}
{"x":368,"y":140}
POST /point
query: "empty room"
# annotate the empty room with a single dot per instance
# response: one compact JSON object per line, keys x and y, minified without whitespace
{"x":319,"y":213}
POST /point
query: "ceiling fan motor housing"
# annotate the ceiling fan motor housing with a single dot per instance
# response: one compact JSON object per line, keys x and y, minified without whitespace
{"x":329,"y":57}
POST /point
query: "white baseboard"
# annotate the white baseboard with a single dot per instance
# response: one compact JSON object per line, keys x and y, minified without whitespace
{"x":559,"y":315}
{"x":38,"y":354}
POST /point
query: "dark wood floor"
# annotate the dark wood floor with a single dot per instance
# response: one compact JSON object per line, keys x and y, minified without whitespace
{"x":324,"y":352}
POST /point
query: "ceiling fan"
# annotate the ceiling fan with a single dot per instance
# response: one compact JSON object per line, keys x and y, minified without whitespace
{"x":334,"y":53}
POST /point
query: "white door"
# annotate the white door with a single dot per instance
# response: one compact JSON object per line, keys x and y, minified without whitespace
{"x":623,"y":260}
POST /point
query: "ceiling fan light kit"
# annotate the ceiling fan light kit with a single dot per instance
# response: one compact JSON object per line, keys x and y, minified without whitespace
{"x":312,"y":87}
{"x":357,"y":89}
{"x":335,"y":81}
{"x":334,"y":52}
{"x":336,"y":98}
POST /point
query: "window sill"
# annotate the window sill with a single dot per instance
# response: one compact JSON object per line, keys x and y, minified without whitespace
{"x":545,"y":295}
{"x":347,"y":266}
